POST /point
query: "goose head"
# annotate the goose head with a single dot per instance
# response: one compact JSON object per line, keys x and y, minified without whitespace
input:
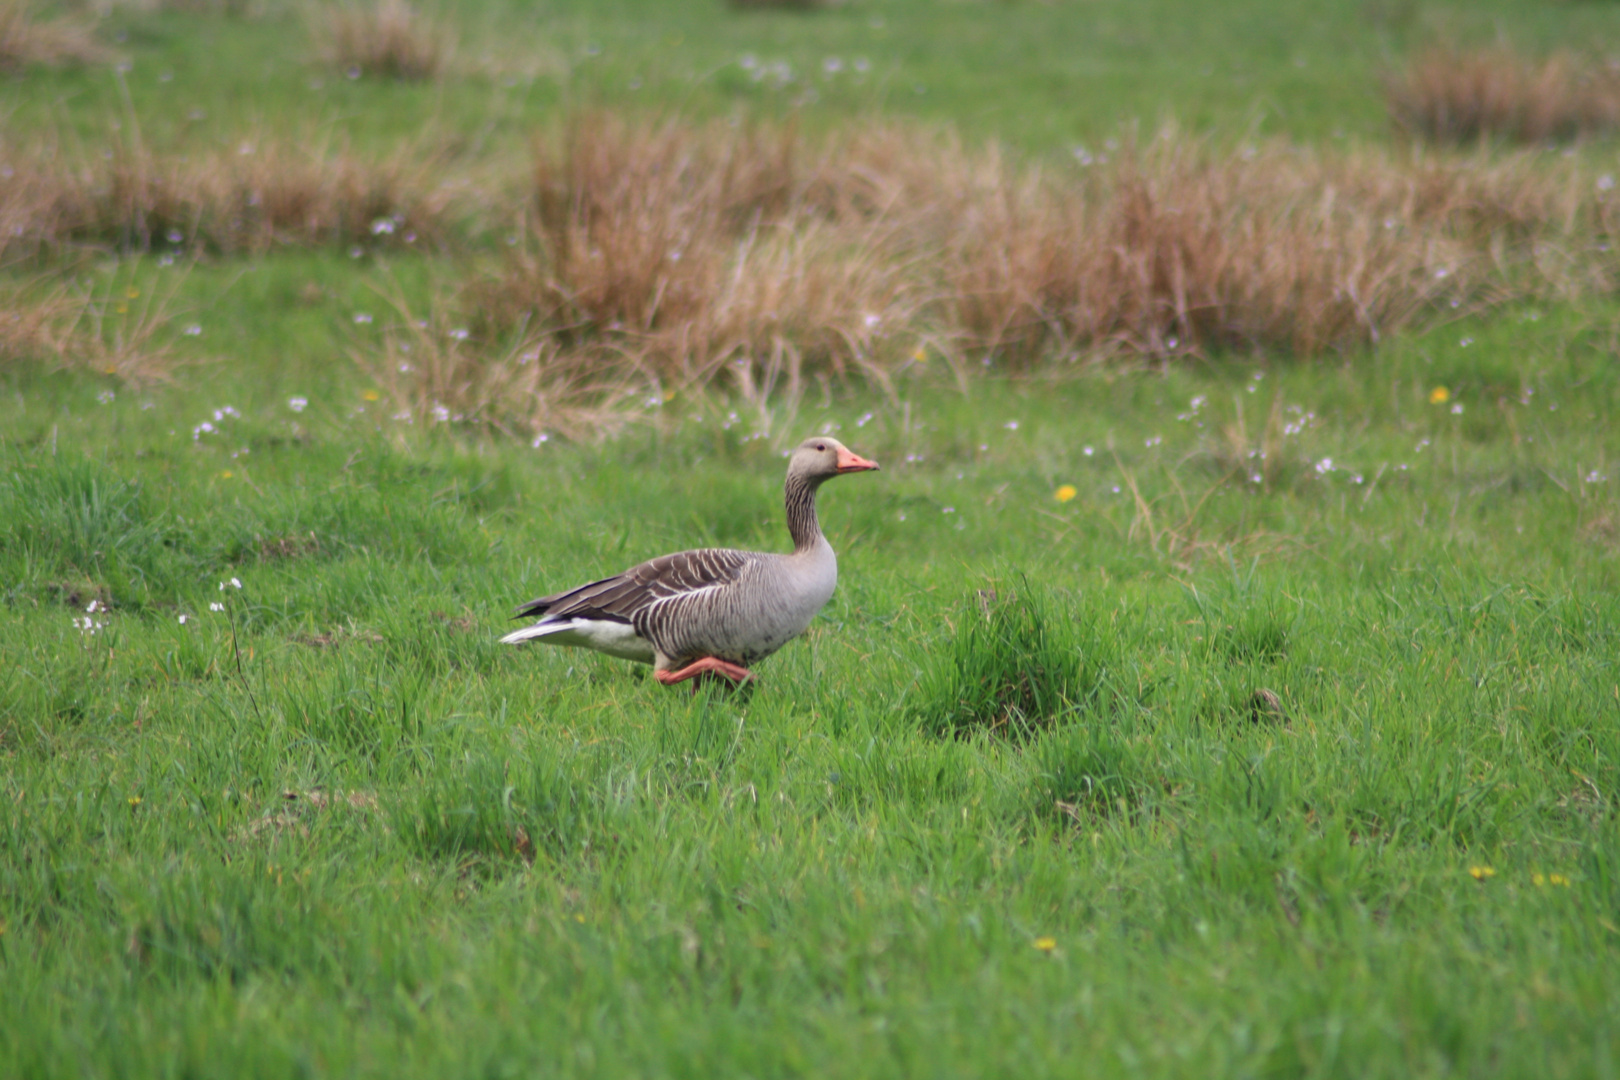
{"x":822,"y":458}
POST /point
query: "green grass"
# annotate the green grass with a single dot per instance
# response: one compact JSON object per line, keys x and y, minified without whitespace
{"x":1038,"y":75}
{"x":333,"y":828}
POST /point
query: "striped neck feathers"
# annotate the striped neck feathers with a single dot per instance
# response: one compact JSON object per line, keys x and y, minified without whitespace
{"x":801,"y":512}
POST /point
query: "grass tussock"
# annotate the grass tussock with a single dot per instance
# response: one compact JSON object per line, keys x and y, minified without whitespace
{"x":27,"y":40}
{"x":1453,"y":96}
{"x":672,"y":256}
{"x":1016,"y":661}
{"x":252,"y":196}
{"x":385,"y":38}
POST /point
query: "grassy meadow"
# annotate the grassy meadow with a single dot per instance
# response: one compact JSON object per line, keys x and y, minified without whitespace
{"x":1224,"y":674}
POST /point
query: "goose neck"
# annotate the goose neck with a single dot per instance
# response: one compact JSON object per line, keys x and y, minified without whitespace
{"x":801,"y":513}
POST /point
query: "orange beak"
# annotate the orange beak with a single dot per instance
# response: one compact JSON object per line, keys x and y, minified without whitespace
{"x":850,"y":462}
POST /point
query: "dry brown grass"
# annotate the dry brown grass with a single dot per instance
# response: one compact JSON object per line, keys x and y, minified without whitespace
{"x":433,"y":371}
{"x":26,"y":40}
{"x":118,"y":331}
{"x":700,"y":252}
{"x":1448,"y":95}
{"x":250,"y":197}
{"x":387,"y":38}
{"x":661,"y":258}
{"x":667,"y":257}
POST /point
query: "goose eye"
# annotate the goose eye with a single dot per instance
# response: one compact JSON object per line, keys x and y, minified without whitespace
{"x":821,"y":446}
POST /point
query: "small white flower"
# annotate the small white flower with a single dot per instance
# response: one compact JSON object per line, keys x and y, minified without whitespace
{"x":1153,"y":440}
{"x":215,"y":606}
{"x":540,"y":440}
{"x":948,"y":510}
{"x":1324,"y":466}
{"x":1011,"y":425}
{"x":459,"y":334}
{"x":1456,"y":410}
{"x":440,"y":414}
{"x":1605,"y":182}
{"x":182,"y":620}
{"x":298,"y":404}
{"x":362,"y":318}
{"x":193,"y":331}
{"x":1088,"y":451}
{"x":382,"y":226}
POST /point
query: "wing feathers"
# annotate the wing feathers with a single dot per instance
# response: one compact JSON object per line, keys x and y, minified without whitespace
{"x":622,"y":597}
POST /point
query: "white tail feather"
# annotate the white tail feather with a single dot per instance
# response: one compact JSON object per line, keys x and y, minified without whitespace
{"x":538,"y":630}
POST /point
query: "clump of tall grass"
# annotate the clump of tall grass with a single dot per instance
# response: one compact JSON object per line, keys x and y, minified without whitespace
{"x":1014,"y":661}
{"x":387,"y":38}
{"x":251,"y":196}
{"x":1450,"y":95}
{"x":697,"y":254}
{"x":26,"y":39}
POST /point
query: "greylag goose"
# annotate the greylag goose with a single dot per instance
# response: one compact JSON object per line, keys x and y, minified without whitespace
{"x":712,"y":610}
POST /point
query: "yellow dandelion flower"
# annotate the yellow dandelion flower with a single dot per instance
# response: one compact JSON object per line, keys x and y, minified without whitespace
{"x":1065,"y":493}
{"x":920,"y":355}
{"x":132,"y":293}
{"x":123,"y":309}
{"x":226,"y":475}
{"x":1482,"y":872}
{"x":1558,"y":879}
{"x":1538,"y":880}
{"x":1046,"y":944}
{"x":134,"y":800}
{"x":372,"y":395}
{"x":1439,"y":396}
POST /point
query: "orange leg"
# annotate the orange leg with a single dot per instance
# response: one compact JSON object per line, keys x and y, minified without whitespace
{"x":708,"y":664}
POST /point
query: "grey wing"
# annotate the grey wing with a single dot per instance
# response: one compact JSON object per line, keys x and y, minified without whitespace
{"x":622,"y":597}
